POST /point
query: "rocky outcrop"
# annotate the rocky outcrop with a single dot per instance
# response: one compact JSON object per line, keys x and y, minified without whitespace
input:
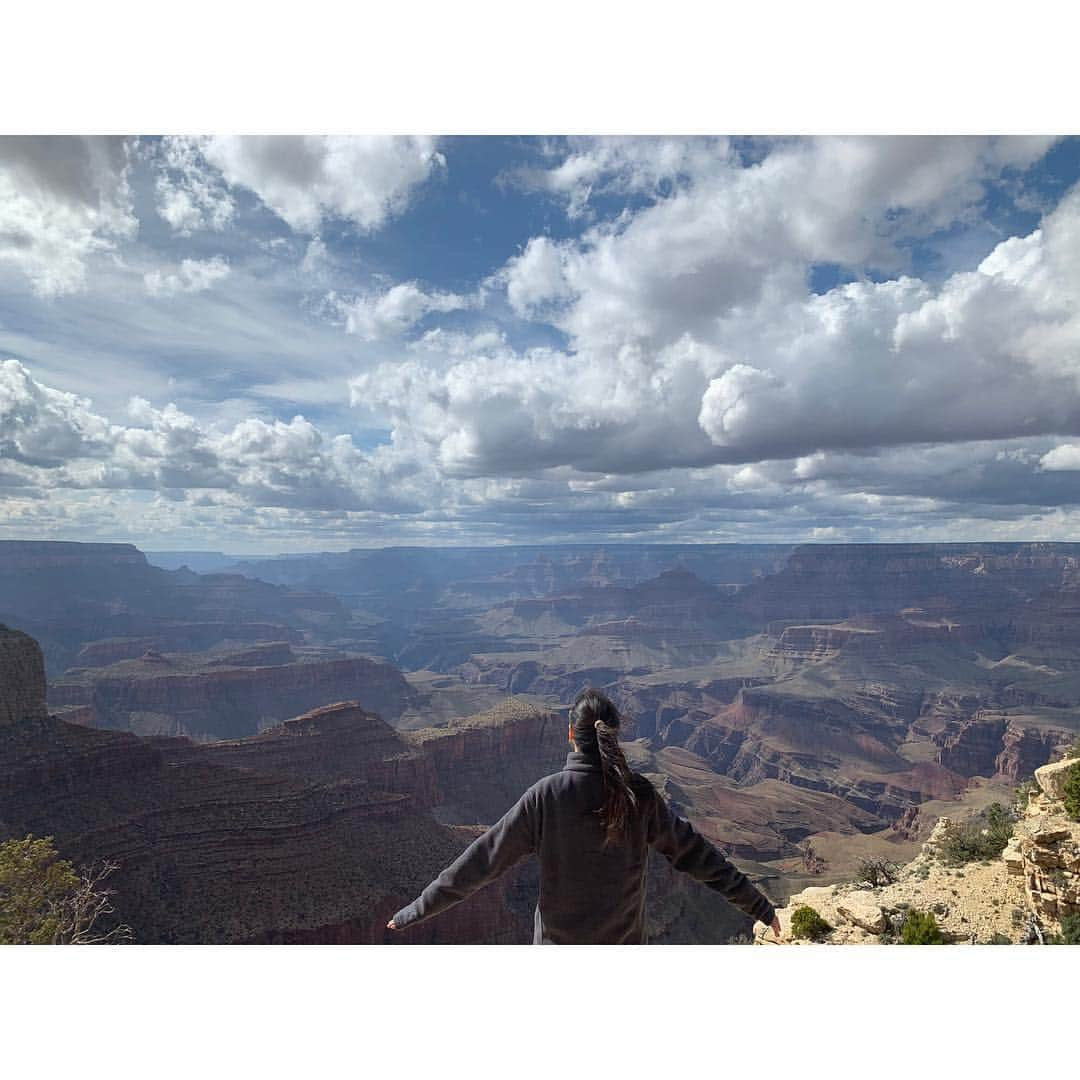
{"x":182,"y":637}
{"x":970,"y":747}
{"x":484,"y":762}
{"x":1020,"y":897}
{"x":991,"y":742}
{"x":1045,"y":850}
{"x":22,"y":678}
{"x":336,"y":742}
{"x":203,"y":698}
{"x":288,"y":841}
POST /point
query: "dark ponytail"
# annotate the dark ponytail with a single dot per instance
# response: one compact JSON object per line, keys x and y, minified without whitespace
{"x":595,"y":723}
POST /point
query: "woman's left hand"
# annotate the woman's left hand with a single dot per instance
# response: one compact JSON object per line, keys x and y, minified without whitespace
{"x":391,"y":925}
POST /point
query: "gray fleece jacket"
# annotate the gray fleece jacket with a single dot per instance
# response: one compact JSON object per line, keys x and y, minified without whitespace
{"x":589,"y":894}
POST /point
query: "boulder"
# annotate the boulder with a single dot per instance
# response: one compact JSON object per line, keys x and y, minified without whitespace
{"x":862,"y":911}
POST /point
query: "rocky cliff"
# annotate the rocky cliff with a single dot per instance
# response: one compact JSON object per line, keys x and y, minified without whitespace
{"x":22,"y":675}
{"x":213,"y":849}
{"x":69,"y":595}
{"x":209,"y":696}
{"x":484,"y":762}
{"x":1019,"y":897}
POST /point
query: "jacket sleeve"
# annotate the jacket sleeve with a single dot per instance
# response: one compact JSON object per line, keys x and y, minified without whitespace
{"x":491,"y":854}
{"x":687,"y":850}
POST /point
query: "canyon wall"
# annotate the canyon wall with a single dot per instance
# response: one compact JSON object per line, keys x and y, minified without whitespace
{"x":161,"y":695}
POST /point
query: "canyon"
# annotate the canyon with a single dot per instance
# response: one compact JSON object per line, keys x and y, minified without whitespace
{"x":803,"y":706}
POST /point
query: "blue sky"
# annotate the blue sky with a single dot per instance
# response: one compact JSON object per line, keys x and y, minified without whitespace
{"x":271,"y":343}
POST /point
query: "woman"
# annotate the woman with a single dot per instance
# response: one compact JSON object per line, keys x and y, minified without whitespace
{"x":591,"y":826}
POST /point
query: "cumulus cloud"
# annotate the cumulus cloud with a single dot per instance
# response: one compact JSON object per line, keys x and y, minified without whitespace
{"x":63,"y":199}
{"x":43,"y":427}
{"x":305,"y":179}
{"x":989,"y":355}
{"x":537,"y":278}
{"x":190,"y":194}
{"x":698,"y":388}
{"x":378,"y":315}
{"x":193,"y":275}
{"x":734,"y":234}
{"x":54,"y":440}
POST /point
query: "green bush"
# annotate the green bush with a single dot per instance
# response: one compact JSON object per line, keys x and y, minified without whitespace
{"x":1071,"y":792}
{"x":44,"y":900}
{"x":921,"y":928}
{"x":35,"y":884}
{"x":984,"y":837}
{"x":807,"y":924}
{"x":1070,"y":931}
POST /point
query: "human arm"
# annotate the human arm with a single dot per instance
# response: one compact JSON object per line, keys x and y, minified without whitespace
{"x":491,"y":854}
{"x":688,"y":851}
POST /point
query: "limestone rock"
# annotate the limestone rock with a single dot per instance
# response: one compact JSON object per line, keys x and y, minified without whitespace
{"x":862,"y":911}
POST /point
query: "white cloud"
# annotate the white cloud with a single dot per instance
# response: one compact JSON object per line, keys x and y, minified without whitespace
{"x":733,"y":235}
{"x":623,"y":165}
{"x":43,"y":427}
{"x":1064,"y":458}
{"x":993,"y":354}
{"x":63,"y":199}
{"x":537,"y":277}
{"x":190,"y":195}
{"x":54,"y":440}
{"x":192,"y":276}
{"x":390,"y":313}
{"x":305,"y":179}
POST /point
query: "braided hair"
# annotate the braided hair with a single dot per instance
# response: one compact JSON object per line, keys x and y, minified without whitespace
{"x":595,"y":721}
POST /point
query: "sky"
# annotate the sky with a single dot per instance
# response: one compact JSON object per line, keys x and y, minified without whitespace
{"x":285,"y":343}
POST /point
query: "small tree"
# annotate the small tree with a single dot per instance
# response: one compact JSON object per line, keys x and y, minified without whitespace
{"x":807,"y":924}
{"x":921,"y":928}
{"x":44,"y":900}
{"x":877,"y":871}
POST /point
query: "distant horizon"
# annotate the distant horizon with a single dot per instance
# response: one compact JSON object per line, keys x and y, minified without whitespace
{"x":240,"y":555}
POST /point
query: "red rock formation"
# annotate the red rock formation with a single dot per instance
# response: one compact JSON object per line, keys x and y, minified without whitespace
{"x":1026,"y":748}
{"x":971,"y":746}
{"x":211,"y":852}
{"x":336,"y":742}
{"x":484,"y":762}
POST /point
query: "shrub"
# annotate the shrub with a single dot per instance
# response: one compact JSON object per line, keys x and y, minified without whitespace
{"x":1070,"y":930}
{"x":807,"y":924}
{"x":1000,"y":939}
{"x":984,"y":837}
{"x":44,"y":900}
{"x":921,"y":928}
{"x":1071,"y":792}
{"x":877,"y":871}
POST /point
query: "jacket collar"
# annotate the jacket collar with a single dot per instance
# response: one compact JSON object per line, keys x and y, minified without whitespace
{"x":577,"y":761}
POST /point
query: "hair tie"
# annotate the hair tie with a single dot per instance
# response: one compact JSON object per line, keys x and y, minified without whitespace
{"x":599,"y":724}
